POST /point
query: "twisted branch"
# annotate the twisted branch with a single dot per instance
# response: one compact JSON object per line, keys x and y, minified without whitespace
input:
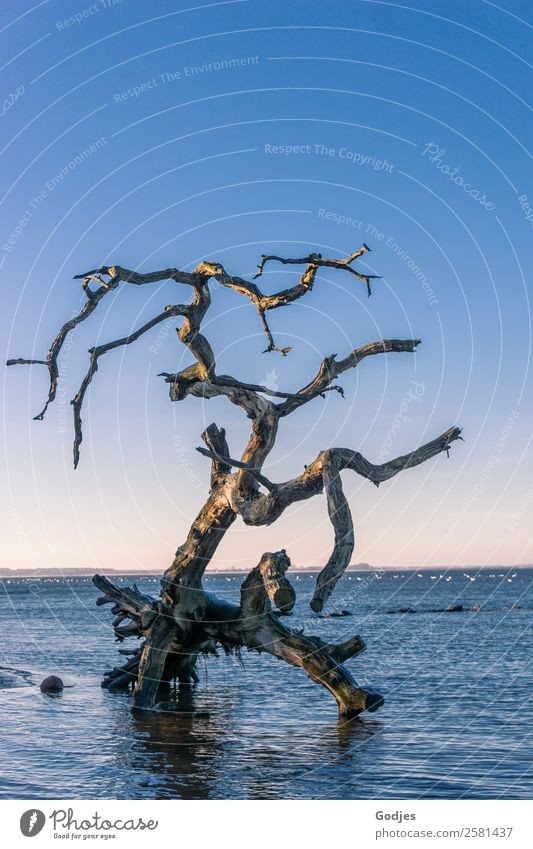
{"x":315,"y":261}
{"x":237,"y":464}
{"x":96,"y":353}
{"x":94,"y":299}
{"x":324,"y":473}
{"x":331,"y":368}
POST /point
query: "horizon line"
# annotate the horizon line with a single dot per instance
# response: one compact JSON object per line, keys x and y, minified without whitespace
{"x":85,"y":571}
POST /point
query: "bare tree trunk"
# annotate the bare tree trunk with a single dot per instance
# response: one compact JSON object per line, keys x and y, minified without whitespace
{"x":185,"y":621}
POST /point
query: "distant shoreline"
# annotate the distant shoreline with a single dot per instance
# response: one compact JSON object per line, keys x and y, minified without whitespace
{"x":9,"y":574}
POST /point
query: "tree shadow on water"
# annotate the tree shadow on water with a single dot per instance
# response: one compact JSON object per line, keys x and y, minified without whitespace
{"x":202,"y":745}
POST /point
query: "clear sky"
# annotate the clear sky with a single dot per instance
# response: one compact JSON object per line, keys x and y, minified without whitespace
{"x":130,"y":135}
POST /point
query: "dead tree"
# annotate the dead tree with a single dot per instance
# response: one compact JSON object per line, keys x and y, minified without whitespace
{"x":185,"y":620}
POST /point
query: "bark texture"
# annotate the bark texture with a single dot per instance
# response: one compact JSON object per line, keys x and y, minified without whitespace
{"x":186,"y":621}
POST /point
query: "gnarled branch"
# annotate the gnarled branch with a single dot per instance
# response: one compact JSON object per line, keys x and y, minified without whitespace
{"x":331,"y":368}
{"x":324,"y":473}
{"x":186,"y":620}
{"x":237,"y":464}
{"x":315,"y":261}
{"x":215,"y":439}
{"x":51,"y":360}
{"x":96,"y":353}
{"x":193,"y":314}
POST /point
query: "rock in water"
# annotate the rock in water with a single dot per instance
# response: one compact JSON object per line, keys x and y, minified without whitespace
{"x":336,"y":613}
{"x":52,"y":684}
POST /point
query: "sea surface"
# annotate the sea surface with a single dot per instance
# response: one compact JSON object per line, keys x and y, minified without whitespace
{"x":457,"y":722}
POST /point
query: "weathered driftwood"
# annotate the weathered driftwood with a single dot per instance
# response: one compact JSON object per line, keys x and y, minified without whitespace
{"x":185,"y":620}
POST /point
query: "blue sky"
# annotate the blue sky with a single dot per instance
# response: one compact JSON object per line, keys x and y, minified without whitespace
{"x":163,"y":134}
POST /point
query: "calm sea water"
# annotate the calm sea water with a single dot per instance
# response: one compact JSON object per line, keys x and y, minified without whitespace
{"x":457,"y":723}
